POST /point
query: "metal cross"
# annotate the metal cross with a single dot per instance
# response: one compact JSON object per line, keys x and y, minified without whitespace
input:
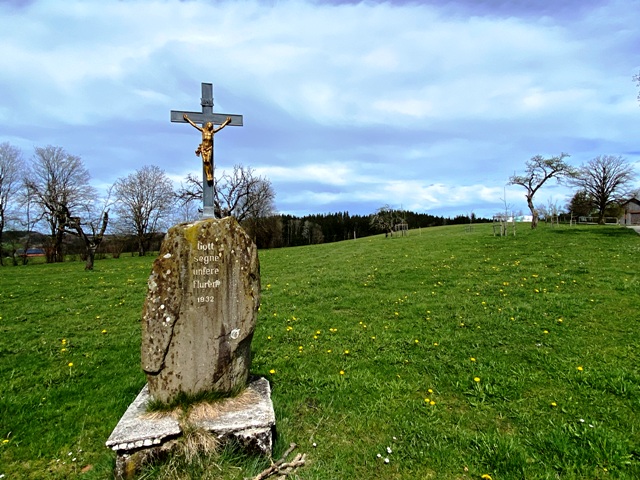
{"x":202,"y":118}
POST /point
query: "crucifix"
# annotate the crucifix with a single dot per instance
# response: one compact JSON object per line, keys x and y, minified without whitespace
{"x":207,"y":119}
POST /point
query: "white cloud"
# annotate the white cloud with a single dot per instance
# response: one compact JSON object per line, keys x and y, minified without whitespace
{"x":322,"y":174}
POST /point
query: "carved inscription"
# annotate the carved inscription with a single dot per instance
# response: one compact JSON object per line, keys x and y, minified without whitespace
{"x":205,"y":278}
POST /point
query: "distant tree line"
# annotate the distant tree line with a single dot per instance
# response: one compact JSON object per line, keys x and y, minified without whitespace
{"x":291,"y":231}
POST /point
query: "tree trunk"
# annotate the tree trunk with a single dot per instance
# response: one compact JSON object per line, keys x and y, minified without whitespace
{"x":91,"y":255}
{"x":57,"y":247}
{"x":534,"y":220}
{"x":534,"y":213}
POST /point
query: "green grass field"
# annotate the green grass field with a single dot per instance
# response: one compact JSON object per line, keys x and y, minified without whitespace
{"x":453,"y":354}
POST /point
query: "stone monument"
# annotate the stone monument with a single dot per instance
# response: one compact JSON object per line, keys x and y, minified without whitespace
{"x":200,"y":312}
{"x":197,"y":325}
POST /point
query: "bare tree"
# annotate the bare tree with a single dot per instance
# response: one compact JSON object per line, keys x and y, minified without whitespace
{"x":538,"y":170}
{"x":143,"y":200}
{"x":25,"y":219}
{"x":184,"y":211}
{"x":550,"y":212}
{"x":90,"y":229}
{"x":59,"y":184}
{"x":385,"y":219}
{"x":606,"y":179}
{"x":240,"y":194}
{"x":10,"y":165}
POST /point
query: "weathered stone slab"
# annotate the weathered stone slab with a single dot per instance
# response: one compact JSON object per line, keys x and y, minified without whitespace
{"x":249,"y":419}
{"x":141,"y":437}
{"x":201,"y":307}
{"x":136,"y":429}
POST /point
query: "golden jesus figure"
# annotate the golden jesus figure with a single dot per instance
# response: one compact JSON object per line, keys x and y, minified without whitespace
{"x":205,"y":149}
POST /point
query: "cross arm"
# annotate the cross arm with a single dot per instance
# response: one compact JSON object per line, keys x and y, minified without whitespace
{"x":202,"y":118}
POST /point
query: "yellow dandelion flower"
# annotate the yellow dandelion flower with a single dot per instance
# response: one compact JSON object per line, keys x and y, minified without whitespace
{"x":417,"y":341}
{"x":486,"y":476}
{"x":272,"y":371}
{"x":580,"y":369}
{"x":430,"y":391}
{"x":346,"y":352}
{"x":341,"y":372}
{"x":554,"y":404}
{"x":104,"y":331}
{"x":476,"y":379}
{"x":432,"y":403}
{"x":70,"y":364}
{"x":472,"y":359}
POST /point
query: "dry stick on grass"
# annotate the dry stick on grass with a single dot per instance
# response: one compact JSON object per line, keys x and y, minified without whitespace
{"x":281,"y":467}
{"x":288,"y":468}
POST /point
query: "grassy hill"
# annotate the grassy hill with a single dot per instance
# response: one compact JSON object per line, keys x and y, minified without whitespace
{"x":451,"y":353}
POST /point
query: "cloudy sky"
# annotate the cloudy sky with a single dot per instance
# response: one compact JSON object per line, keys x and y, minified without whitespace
{"x":427,"y":106}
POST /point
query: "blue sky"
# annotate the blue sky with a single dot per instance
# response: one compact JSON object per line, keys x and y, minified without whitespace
{"x":427,"y":106}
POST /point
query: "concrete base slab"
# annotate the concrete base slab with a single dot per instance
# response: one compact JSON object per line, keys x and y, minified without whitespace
{"x":247,"y":419}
